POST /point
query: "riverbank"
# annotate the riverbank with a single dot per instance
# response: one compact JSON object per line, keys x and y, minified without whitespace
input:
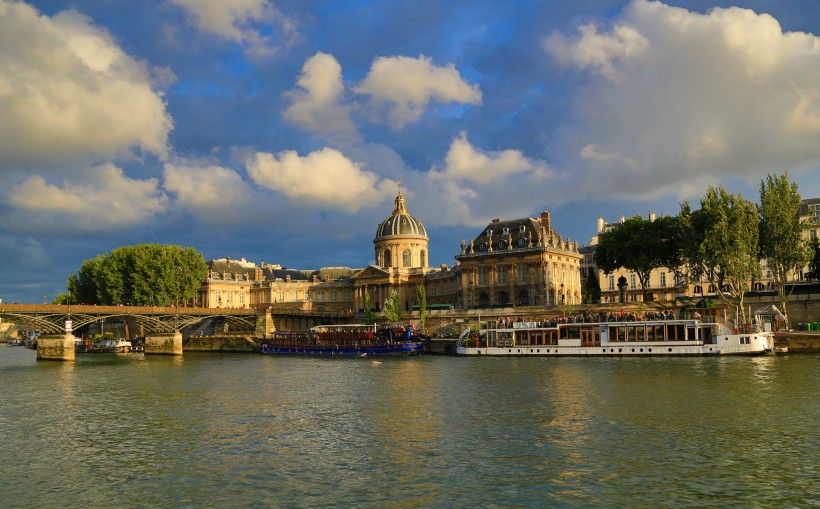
{"x":798,"y":341}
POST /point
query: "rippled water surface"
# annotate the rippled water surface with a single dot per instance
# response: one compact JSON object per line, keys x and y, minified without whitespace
{"x":215,"y":430}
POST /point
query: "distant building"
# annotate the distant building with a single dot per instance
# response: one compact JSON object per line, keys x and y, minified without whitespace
{"x":521,"y":262}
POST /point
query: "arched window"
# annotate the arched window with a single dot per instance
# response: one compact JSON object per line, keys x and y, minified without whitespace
{"x":698,"y":289}
{"x":503,"y":298}
{"x":386,"y":262}
{"x":405,"y":258}
{"x":483,"y":300}
{"x":423,"y":258}
{"x":712,"y":288}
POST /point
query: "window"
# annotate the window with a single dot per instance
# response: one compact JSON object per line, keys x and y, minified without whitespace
{"x":482,"y":276}
{"x":334,"y":296}
{"x":502,"y":275}
{"x":633,"y":281}
{"x":386,"y":262}
{"x":698,"y":289}
{"x":423,"y":258}
{"x":522,"y":273}
{"x":663,"y":279}
{"x":405,"y":258}
{"x":611,"y":282}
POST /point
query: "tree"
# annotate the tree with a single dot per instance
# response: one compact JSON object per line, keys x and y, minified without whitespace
{"x":591,"y":291}
{"x":141,"y":274}
{"x":369,"y":315}
{"x":640,"y":246}
{"x":781,"y":232}
{"x":814,"y":264}
{"x":421,"y":298}
{"x":392,"y":307}
{"x":721,"y":243}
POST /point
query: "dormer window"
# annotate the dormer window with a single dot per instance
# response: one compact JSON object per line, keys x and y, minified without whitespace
{"x":506,"y":230}
{"x":522,"y":229}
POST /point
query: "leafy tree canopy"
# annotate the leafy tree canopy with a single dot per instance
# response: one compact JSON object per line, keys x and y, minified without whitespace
{"x":144,"y":274}
{"x":392,"y":307}
{"x":640,"y":245}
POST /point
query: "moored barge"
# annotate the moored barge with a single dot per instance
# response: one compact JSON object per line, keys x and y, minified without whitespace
{"x":346,"y":340}
{"x":643,"y":338}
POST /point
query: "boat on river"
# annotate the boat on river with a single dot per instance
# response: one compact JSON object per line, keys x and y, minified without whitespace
{"x":102,"y":346}
{"x":620,"y":338}
{"x":346,"y":340}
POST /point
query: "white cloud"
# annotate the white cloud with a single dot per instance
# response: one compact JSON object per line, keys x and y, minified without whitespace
{"x":325,"y":177}
{"x":239,"y":20}
{"x":105,"y":200}
{"x":316,"y":105}
{"x":465,"y":163}
{"x":726,"y":93}
{"x":406,"y":86}
{"x":600,"y":52}
{"x":68,"y":92}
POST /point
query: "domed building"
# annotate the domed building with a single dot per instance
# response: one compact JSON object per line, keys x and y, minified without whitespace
{"x":401,"y":240}
{"x":401,"y":255}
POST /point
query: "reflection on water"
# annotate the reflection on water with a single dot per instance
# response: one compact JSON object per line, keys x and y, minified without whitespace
{"x":265,"y":431}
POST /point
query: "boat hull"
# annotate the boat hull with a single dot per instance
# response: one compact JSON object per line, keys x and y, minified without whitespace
{"x":389,"y":349}
{"x":620,"y":350}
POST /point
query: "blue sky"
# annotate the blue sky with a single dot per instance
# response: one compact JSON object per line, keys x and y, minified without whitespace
{"x":279,"y":131}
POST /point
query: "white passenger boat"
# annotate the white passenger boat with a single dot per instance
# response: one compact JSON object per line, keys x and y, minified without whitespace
{"x":651,"y":337}
{"x":114,"y":346}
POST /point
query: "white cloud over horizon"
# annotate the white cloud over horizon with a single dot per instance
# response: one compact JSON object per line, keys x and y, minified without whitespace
{"x":406,"y":86}
{"x":102,"y":199}
{"x":325,"y":178}
{"x":687,"y":95}
{"x":68,"y":92}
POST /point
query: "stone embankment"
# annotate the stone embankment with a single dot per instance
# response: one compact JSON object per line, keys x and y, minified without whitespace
{"x":798,"y":342}
{"x":242,"y":344}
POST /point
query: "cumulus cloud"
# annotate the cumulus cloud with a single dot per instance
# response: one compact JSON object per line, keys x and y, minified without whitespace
{"x":69,"y":92}
{"x":406,"y":86}
{"x":214,"y":194}
{"x":316,"y":105}
{"x":675,"y":96}
{"x":105,"y":200}
{"x":325,"y":177}
{"x":466,"y":163}
{"x":241,"y":21}
{"x":602,"y":53}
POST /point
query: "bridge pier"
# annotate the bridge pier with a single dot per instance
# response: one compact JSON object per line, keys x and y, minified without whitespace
{"x":56,"y":347}
{"x":164,"y":343}
{"x":264,"y":324}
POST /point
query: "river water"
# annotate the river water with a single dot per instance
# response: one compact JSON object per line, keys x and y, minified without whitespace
{"x":217,"y":430}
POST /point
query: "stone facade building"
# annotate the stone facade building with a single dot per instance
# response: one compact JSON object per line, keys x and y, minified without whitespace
{"x":521,"y":262}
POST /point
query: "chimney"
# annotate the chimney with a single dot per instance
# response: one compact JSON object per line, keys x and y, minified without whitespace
{"x":228,"y":260}
{"x":287,"y":278}
{"x":651,"y":216}
{"x":545,"y":221}
{"x":600,"y":224}
{"x":258,"y":274}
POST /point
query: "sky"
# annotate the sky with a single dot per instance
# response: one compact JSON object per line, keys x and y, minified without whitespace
{"x":280,"y":131}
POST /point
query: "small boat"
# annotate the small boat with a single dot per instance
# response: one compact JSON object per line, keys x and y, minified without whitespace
{"x":779,"y":350}
{"x":641,"y":338}
{"x":102,"y":346}
{"x":16,"y":342}
{"x":346,"y":340}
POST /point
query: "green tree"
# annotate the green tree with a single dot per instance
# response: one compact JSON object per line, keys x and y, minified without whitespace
{"x":421,"y":299}
{"x":640,"y":246}
{"x":781,"y":232}
{"x":591,"y":291}
{"x":141,"y":274}
{"x":392,"y":307}
{"x":721,"y":243}
{"x":814,"y":264}
{"x":369,"y":315}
